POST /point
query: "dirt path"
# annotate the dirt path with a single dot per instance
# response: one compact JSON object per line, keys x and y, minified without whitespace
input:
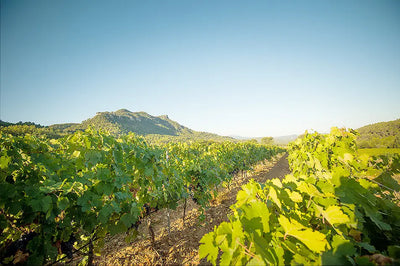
{"x":181,"y":245}
{"x":279,"y":170}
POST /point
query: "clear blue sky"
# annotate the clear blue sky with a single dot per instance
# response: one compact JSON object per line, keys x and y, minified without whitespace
{"x":249,"y":68}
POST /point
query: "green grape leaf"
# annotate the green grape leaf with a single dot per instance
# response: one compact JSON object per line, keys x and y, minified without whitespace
{"x":387,"y":180}
{"x":104,"y":188}
{"x":118,"y":156}
{"x":329,"y":258}
{"x":309,"y":189}
{"x":4,"y":161}
{"x":314,"y":240}
{"x":300,"y":260}
{"x":364,"y":261}
{"x":36,"y":205}
{"x":242,"y":197}
{"x":117,"y":228}
{"x":208,"y":248}
{"x":277,"y":182}
{"x":103,"y":174}
{"x":261,"y":245}
{"x":255,"y":261}
{"x":46,"y":203}
{"x":105,"y":213}
{"x":128,"y":219}
{"x":93,"y":157}
{"x":115,"y":207}
{"x":76,"y":154}
{"x":290,"y":178}
{"x":376,"y":217}
{"x":224,"y":228}
{"x":335,"y":215}
{"x":342,"y":247}
{"x":295,"y":196}
{"x":342,"y":250}
{"x":256,"y":216}
{"x":227,"y":256}
{"x":272,"y":194}
{"x":348,"y":157}
{"x":62,"y":203}
{"x":149,"y":171}
{"x":367,"y":247}
{"x":237,"y":231}
{"x":249,"y":191}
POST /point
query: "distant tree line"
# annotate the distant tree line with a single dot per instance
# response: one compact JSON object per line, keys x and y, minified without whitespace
{"x":380,"y":135}
{"x":267,"y":141}
{"x":20,"y":130}
{"x":20,"y":123}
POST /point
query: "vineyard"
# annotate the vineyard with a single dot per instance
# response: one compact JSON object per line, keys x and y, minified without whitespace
{"x":63,"y":199}
{"x":61,"y":196}
{"x":330,"y":211}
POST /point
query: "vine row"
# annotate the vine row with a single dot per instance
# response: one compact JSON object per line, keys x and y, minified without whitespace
{"x":61,"y":195}
{"x":329,"y":211}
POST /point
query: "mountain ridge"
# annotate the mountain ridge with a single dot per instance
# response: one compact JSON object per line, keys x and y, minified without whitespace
{"x":162,"y":128}
{"x":124,"y":121}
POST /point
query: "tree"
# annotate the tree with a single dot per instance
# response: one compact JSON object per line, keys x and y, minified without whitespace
{"x":267,"y":140}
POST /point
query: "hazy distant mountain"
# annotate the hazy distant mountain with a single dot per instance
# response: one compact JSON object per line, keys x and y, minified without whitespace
{"x":239,"y":137}
{"x":283,"y":140}
{"x":280,"y":140}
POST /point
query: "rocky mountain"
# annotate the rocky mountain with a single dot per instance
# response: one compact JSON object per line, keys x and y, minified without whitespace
{"x":124,"y":121}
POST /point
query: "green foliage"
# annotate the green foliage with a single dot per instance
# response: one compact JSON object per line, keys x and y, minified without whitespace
{"x":379,"y":151}
{"x":267,"y":140}
{"x":26,"y":128}
{"x":325,"y":213}
{"x":380,"y":135}
{"x":90,"y":183}
{"x":20,"y":123}
{"x":186,"y":137}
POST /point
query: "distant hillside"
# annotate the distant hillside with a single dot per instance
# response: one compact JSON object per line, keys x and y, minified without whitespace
{"x":154,"y":128}
{"x":380,"y":135}
{"x":280,"y":140}
{"x":20,"y":123}
{"x":23,"y":128}
{"x":124,"y":121}
{"x":284,"y":140}
{"x":239,"y":137}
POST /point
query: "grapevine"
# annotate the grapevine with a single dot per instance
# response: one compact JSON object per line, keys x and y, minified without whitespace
{"x":67,"y":194}
{"x":327,"y":212}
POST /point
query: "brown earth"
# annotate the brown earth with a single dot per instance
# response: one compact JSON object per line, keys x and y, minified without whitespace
{"x":181,"y":245}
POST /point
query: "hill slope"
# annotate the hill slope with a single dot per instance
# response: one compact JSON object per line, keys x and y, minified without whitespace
{"x":155,"y":128}
{"x":380,"y":135}
{"x":124,"y":121}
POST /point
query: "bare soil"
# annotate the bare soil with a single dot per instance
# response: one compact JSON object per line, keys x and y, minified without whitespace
{"x":180,"y":246}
